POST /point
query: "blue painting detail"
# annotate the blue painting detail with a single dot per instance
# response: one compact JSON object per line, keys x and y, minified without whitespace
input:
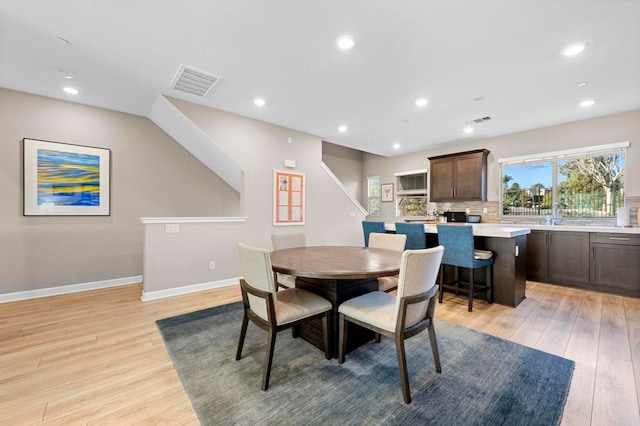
{"x":68,"y":179}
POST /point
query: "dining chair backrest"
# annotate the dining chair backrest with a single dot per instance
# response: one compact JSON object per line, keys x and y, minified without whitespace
{"x":458,"y":243}
{"x":368,"y":227}
{"x":281,"y":241}
{"x":416,"y":238}
{"x":255,"y":266}
{"x":395,"y":242}
{"x":418,"y":273}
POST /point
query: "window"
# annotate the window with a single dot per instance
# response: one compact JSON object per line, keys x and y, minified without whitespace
{"x":585,"y":183}
{"x":373,"y":195}
{"x":412,"y":193}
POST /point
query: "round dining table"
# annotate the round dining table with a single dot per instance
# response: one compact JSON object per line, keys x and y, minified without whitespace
{"x":337,"y":273}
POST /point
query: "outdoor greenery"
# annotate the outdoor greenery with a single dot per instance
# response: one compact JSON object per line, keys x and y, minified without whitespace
{"x":590,"y":186}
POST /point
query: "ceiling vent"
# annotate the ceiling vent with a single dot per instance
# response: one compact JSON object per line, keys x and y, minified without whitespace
{"x":194,"y":81}
{"x":479,"y":120}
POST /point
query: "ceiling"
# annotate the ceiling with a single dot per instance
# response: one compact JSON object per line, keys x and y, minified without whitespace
{"x":470,"y":58}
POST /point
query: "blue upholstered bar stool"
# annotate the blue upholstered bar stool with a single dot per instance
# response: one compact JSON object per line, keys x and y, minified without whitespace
{"x":416,"y":238}
{"x":369,"y":227}
{"x":459,"y":251}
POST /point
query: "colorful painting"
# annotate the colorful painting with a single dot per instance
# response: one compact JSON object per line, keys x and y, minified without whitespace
{"x":68,"y":178}
{"x":65,"y":179}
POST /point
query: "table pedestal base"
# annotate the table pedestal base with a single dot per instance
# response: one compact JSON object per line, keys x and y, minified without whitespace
{"x":336,"y":291}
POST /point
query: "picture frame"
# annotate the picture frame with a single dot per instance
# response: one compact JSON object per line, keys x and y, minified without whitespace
{"x":61,"y":179}
{"x":386,"y":192}
{"x":288,"y":198}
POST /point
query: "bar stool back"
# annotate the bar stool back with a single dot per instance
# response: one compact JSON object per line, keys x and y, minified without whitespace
{"x":459,"y":251}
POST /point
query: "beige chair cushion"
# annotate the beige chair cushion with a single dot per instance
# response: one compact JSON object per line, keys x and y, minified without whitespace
{"x":286,"y":280}
{"x":293,"y":304}
{"x":395,"y":242}
{"x":376,"y":308}
{"x":482,"y":254}
{"x":387,"y":283}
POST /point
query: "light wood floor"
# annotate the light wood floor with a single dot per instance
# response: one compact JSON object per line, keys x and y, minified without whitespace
{"x":97,"y":357}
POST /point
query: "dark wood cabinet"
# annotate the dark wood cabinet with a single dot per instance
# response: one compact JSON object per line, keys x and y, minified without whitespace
{"x":459,"y":177}
{"x":615,"y":263}
{"x":560,"y":257}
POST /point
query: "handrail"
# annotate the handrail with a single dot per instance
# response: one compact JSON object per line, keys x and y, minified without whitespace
{"x":344,"y":189}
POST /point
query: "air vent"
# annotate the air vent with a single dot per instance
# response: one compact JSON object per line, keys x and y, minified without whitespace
{"x":194,"y":81}
{"x":479,"y":120}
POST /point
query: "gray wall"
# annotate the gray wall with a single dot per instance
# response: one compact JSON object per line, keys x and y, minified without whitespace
{"x":176,"y":260}
{"x":596,"y":131}
{"x":151,"y":176}
{"x":346,"y":164}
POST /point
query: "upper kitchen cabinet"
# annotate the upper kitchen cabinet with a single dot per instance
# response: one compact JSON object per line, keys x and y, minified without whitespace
{"x":459,"y":177}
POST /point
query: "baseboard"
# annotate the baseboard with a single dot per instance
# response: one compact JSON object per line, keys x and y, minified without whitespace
{"x":177,"y":291}
{"x":66,"y":289}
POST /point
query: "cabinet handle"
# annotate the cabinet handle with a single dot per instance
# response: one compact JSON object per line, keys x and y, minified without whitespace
{"x":453,"y":192}
{"x":619,"y":238}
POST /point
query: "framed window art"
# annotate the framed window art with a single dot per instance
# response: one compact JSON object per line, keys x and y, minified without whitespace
{"x":62,"y":179}
{"x":288,"y":198}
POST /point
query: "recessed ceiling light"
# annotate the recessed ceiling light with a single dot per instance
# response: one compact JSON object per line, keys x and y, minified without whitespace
{"x":345,"y":42}
{"x":582,"y":83}
{"x":342,"y":129}
{"x":71,"y":90}
{"x":259,"y":102}
{"x":574,"y":49}
{"x":422,"y":102}
{"x":587,"y":103}
{"x":468,"y":129}
{"x":396,"y":146}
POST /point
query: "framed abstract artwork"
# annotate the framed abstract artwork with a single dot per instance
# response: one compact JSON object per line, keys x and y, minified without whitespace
{"x":288,"y":198}
{"x":61,"y":179}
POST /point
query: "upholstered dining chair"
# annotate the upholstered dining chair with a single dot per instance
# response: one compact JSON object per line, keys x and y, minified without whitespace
{"x":460,"y":253}
{"x":395,"y":242}
{"x":416,"y":238}
{"x":399,"y":316}
{"x":274,"y":311}
{"x":368,"y":227}
{"x":281,"y":241}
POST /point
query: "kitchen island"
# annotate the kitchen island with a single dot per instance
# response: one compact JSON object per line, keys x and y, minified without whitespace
{"x":509,"y":247}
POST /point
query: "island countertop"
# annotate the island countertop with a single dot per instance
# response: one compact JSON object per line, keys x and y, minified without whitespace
{"x":479,"y":230}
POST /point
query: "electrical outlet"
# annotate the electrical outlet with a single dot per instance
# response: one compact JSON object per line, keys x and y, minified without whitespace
{"x":171,"y":228}
{"x":212,"y":265}
{"x":485,"y":210}
{"x":467,"y":210}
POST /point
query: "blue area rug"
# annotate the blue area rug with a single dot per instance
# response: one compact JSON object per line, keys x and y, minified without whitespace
{"x":485,"y":380}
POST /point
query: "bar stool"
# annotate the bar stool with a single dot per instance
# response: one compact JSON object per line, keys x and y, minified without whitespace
{"x":459,"y":251}
{"x":416,"y":238}
{"x":369,"y":227}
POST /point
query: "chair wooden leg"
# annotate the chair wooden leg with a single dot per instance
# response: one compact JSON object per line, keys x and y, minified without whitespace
{"x":269,"y":358}
{"x":243,"y":333}
{"x":457,"y":279}
{"x":489,"y":285}
{"x":402,"y":366}
{"x":325,"y":335}
{"x":434,"y":347}
{"x":471,"y":289}
{"x":342,"y":339}
{"x":441,"y":289}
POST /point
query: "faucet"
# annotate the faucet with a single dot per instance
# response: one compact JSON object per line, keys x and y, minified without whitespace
{"x":555,"y":218}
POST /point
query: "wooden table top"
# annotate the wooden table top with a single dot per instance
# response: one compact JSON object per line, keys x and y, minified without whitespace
{"x":336,"y":262}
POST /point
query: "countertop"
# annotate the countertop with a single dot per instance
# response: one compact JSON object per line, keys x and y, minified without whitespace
{"x":479,"y":230}
{"x":579,"y":228}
